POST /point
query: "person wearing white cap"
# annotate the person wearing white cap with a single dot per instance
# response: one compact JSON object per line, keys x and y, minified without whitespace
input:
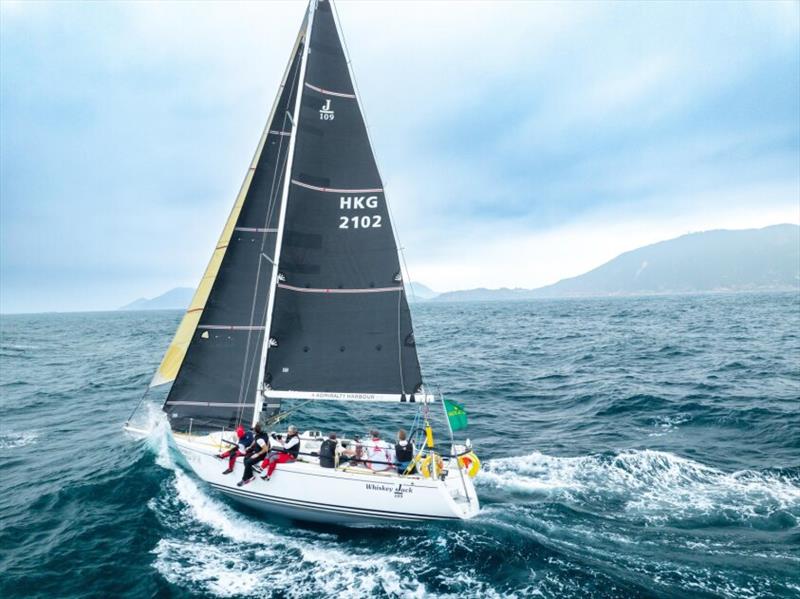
{"x":287,"y":450}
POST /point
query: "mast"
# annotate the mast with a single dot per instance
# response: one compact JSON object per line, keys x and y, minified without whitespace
{"x":294,"y":119}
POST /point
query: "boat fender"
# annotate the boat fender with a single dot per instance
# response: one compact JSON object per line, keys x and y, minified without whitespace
{"x":470,"y":463}
{"x":424,"y":467}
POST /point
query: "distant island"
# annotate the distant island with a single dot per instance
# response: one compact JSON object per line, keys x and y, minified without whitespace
{"x":765,"y":259}
{"x":174,"y":299}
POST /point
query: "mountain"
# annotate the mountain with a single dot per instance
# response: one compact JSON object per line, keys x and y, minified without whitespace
{"x":765,"y":259}
{"x":174,"y":299}
{"x":746,"y":260}
{"x":420,"y":292}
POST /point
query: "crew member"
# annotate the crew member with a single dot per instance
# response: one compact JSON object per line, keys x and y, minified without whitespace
{"x":241,"y":449}
{"x":260,"y":448}
{"x":403,"y":453}
{"x":378,"y":453}
{"x":329,"y":452}
{"x":287,"y":452}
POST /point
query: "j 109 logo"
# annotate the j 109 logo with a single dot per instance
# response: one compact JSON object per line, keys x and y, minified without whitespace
{"x":326,"y":112}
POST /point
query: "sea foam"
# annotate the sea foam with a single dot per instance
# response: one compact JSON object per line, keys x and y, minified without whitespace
{"x":225,"y":553}
{"x":656,"y":486}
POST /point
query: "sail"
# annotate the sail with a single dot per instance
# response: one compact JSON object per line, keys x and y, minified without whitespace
{"x":341,"y":326}
{"x":215,"y":357}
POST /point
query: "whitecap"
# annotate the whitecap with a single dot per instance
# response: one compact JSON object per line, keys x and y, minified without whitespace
{"x":13,"y":440}
{"x":654,"y":485}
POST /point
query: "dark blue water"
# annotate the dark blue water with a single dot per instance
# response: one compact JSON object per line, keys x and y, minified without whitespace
{"x":632,"y":448}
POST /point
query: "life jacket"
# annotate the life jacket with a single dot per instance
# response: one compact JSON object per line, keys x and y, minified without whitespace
{"x":246,"y":441}
{"x":327,"y":453}
{"x":263,"y":436}
{"x":404,"y":451}
{"x":294,"y":450}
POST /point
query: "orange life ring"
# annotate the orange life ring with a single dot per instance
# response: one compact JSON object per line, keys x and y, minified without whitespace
{"x":470,"y":463}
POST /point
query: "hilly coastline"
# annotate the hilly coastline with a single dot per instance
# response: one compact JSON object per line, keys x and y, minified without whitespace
{"x":765,"y":259}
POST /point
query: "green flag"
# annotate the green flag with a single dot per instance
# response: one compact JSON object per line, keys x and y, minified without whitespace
{"x":456,"y":415}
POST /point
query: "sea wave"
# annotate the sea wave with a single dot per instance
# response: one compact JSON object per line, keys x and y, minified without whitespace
{"x":220,"y":551}
{"x":655,"y":486}
{"x":14,"y":440}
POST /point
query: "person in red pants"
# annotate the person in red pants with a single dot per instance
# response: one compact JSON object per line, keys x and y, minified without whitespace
{"x":287,"y":451}
{"x":241,"y":449}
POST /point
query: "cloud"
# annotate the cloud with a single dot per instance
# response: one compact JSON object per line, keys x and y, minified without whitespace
{"x":548,"y":133}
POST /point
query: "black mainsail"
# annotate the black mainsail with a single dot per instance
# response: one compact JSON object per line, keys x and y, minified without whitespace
{"x":341,"y":326}
{"x":307,"y":300}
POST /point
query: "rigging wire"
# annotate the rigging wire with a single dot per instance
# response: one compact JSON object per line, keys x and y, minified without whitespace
{"x":141,"y":399}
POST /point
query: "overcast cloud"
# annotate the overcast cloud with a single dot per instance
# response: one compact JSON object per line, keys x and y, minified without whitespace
{"x":520,"y":143}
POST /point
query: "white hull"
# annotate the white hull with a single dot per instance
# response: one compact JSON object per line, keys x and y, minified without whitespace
{"x":303,"y":490}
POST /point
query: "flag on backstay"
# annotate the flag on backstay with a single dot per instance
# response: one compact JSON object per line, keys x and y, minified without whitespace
{"x":455,"y":414}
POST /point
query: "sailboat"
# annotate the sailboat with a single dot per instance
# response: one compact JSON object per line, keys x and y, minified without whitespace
{"x":304,"y":299}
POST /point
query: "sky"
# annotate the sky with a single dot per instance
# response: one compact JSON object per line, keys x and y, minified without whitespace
{"x":520,"y":143}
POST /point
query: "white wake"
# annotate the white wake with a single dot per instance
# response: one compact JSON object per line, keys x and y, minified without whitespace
{"x":654,"y":485}
{"x":220,"y":551}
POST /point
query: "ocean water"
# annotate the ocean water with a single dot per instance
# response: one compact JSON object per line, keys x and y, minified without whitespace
{"x":641,"y":447}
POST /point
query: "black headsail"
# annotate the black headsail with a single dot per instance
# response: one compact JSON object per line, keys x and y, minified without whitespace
{"x":218,"y":378}
{"x":341,"y":326}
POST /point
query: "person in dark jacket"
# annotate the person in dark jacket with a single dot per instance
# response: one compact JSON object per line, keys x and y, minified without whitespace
{"x":260,"y":448}
{"x":329,"y":452}
{"x":403,"y":453}
{"x":244,"y":445}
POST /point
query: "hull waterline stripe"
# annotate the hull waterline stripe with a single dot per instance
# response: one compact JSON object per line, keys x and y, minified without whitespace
{"x":208,"y":404}
{"x":322,"y":507}
{"x":335,"y":190}
{"x":316,"y":290}
{"x":230,"y":327}
{"x":255,"y":230}
{"x":328,"y":92}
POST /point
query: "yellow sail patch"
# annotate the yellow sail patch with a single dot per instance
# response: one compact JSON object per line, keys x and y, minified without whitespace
{"x":176,"y":352}
{"x":173,"y":357}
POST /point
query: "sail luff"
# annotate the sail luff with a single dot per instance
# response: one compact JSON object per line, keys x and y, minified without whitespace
{"x":309,"y":24}
{"x":173,"y":357}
